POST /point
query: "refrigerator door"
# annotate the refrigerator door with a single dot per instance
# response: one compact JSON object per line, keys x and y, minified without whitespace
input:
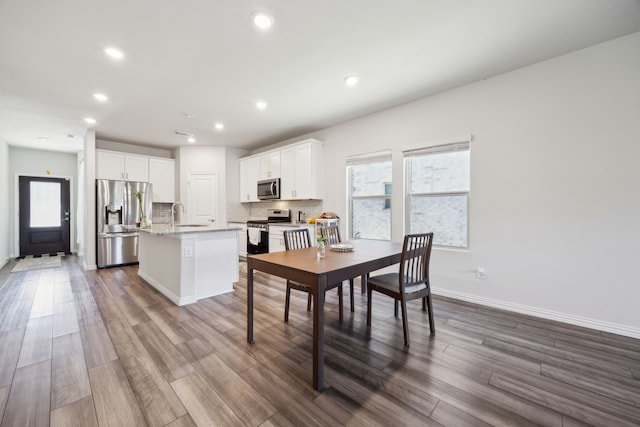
{"x":110,"y":205}
{"x":117,"y":249}
{"x":133,"y":212}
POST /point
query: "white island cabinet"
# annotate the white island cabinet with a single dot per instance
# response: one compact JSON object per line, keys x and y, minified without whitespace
{"x":188,"y":263}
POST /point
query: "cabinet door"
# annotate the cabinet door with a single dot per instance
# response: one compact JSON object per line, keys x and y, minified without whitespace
{"x":242,"y":240}
{"x":304,"y":171}
{"x":136,"y":168}
{"x":270,"y":165}
{"x":288,"y":174}
{"x":276,"y":239}
{"x":249,"y":172}
{"x":109,"y":165}
{"x":162,"y":173}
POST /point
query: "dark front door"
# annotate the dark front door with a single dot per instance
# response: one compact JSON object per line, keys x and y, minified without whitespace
{"x":44,"y":215}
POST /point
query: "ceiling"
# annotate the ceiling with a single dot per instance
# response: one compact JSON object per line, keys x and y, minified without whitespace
{"x":192,"y":63}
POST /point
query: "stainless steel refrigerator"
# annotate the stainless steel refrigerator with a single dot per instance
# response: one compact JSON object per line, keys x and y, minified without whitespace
{"x":117,"y":209}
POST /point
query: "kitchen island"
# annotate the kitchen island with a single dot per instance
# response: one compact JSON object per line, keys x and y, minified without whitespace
{"x":189,"y":262}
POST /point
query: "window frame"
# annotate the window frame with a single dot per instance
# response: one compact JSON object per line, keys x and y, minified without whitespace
{"x":463,"y":144}
{"x":370,"y":158}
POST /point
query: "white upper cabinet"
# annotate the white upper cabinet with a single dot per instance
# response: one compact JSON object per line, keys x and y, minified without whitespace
{"x":270,"y":165}
{"x":162,"y":175}
{"x":249,"y":176}
{"x":298,"y":166}
{"x":301,"y":171}
{"x":121,"y":166}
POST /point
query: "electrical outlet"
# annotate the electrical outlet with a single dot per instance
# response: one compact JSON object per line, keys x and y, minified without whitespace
{"x":188,"y":252}
{"x":481,"y":273}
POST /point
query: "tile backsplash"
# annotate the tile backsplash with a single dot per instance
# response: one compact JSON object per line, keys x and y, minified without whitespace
{"x":161,"y":213}
{"x":310,"y":207}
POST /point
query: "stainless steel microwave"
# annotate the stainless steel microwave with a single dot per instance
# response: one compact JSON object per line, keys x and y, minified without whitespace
{"x":269,"y":189}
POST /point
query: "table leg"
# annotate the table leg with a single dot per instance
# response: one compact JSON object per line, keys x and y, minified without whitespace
{"x":363,"y":283}
{"x":249,"y":303}
{"x":318,"y":335}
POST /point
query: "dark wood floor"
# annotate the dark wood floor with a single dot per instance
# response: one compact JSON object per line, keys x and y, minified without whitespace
{"x":104,"y":348}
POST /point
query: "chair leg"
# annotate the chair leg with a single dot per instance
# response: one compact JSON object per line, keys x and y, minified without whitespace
{"x":368,"y":306}
{"x":340,"y":301}
{"x":405,"y":322}
{"x":432,"y":323}
{"x":424,"y":304}
{"x":395,"y":308}
{"x":309,"y":297}
{"x":351,"y":294}
{"x":286,"y":304}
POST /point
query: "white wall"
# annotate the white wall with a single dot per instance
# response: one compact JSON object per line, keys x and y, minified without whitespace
{"x":89,"y":258}
{"x":555,"y":211}
{"x":202,"y":160}
{"x":26,"y":161}
{"x":5,"y":179}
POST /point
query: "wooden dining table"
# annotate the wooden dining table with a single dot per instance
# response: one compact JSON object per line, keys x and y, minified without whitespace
{"x":303,"y":265}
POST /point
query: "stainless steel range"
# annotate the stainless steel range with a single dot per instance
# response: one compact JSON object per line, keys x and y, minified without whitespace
{"x":258,"y":230}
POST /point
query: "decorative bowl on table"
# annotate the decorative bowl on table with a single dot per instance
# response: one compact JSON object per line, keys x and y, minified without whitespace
{"x":341,"y":247}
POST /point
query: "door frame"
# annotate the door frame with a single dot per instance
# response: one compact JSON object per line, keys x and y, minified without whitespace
{"x":16,"y":209}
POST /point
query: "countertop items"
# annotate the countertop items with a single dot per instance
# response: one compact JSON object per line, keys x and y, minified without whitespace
{"x":165,"y":229}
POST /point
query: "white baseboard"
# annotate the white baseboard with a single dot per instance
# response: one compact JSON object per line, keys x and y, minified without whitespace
{"x":4,"y":262}
{"x":586,"y":322}
{"x":166,"y":292}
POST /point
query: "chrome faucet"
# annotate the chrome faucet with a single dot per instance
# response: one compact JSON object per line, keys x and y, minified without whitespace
{"x":173,"y":218}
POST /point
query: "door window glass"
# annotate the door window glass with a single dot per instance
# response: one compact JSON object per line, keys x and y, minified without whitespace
{"x":45,"y":204}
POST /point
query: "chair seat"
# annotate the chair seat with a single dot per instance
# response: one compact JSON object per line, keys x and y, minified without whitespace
{"x":390,"y":282}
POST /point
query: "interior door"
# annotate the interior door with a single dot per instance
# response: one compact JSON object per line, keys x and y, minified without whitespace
{"x":202,"y":203}
{"x":44,"y":215}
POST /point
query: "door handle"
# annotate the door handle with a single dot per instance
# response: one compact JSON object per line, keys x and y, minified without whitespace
{"x":66,"y":215}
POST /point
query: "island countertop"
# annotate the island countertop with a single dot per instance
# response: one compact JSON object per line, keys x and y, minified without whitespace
{"x":166,"y":229}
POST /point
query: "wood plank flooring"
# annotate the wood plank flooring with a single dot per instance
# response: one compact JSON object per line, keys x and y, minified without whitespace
{"x":103,"y":348}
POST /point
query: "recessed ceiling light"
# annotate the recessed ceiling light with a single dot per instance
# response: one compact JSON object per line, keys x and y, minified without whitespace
{"x":43,"y":138}
{"x":114,"y":52}
{"x":262,"y":20}
{"x":351,"y":80}
{"x":219,"y":126}
{"x":90,"y":120}
{"x":100,"y":97}
{"x":261,"y":105}
{"x":191,"y":140}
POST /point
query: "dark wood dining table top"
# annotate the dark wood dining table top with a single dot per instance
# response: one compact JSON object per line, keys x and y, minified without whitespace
{"x":304,"y":266}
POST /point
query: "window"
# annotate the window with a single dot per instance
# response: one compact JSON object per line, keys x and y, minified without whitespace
{"x":45,"y":205}
{"x":369,"y":180}
{"x":437,"y":193}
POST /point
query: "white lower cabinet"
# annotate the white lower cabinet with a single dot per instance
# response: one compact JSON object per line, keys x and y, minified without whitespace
{"x":242,"y":238}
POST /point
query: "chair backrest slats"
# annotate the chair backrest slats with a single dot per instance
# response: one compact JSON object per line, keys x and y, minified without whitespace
{"x":332,"y":233}
{"x":297,"y":239}
{"x":414,"y":264}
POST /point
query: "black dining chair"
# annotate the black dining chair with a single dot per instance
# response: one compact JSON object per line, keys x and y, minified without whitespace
{"x":411,"y":281}
{"x":298,"y":239}
{"x":332,"y":234}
